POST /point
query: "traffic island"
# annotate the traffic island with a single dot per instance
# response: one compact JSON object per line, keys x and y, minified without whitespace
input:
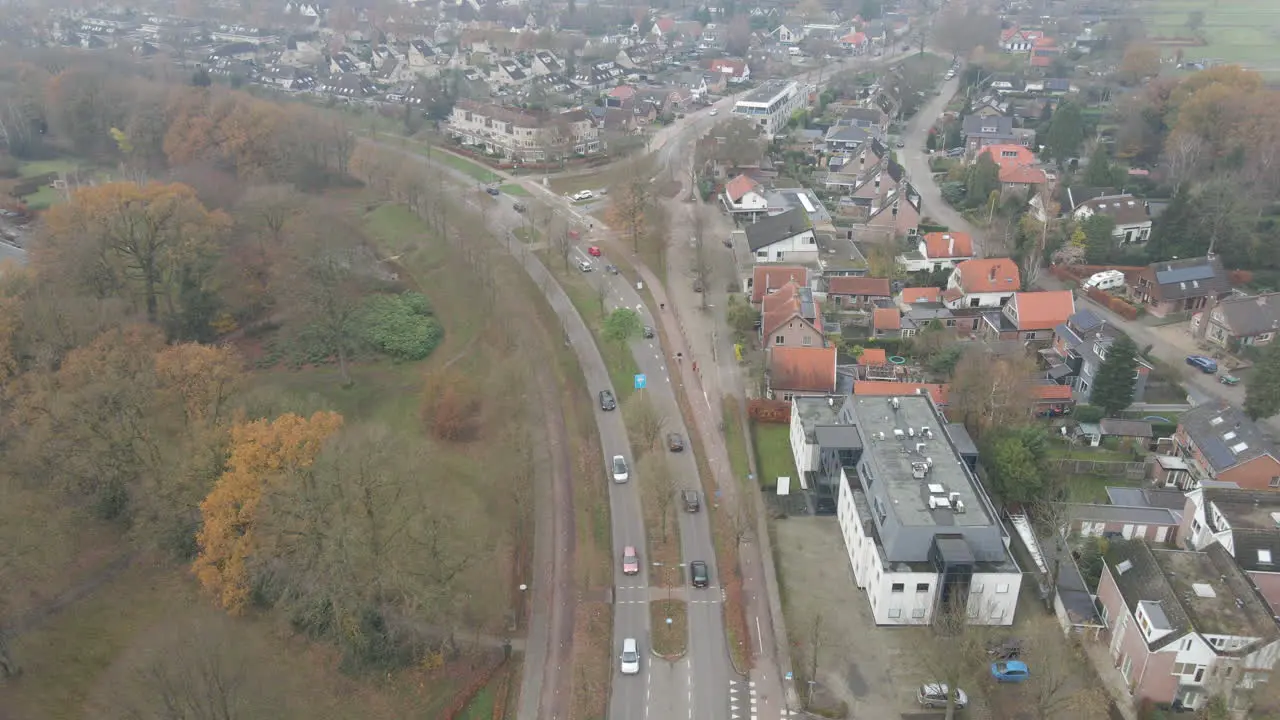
{"x":670,"y":628}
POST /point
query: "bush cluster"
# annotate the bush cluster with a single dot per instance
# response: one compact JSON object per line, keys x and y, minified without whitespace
{"x":401,"y":326}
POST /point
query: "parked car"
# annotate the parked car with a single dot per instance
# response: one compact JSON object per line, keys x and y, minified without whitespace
{"x":934,"y":695}
{"x":714,"y":112}
{"x":594,"y":251}
{"x":647,"y":331}
{"x":519,"y":207}
{"x":630,"y":657}
{"x":493,"y":191}
{"x":698,"y":572}
{"x":691,"y":502}
{"x":630,"y":561}
{"x":1010,"y":671}
{"x":900,"y":144}
{"x":1204,"y":364}
{"x":675,"y":443}
{"x":606,"y":400}
{"x":620,"y":471}
{"x":955,"y":152}
{"x":611,"y":269}
{"x":584,"y":266}
{"x":583,"y":195}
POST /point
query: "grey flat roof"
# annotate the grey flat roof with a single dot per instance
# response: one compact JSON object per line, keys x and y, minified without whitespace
{"x":815,"y":411}
{"x":837,"y":436}
{"x":892,"y":459}
{"x":1119,"y":513}
{"x":767,"y":92}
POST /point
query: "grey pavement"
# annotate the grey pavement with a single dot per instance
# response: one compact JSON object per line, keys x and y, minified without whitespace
{"x":915,"y":160}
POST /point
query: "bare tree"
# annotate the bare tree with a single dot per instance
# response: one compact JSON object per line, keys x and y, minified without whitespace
{"x":561,"y":240}
{"x":644,"y":420}
{"x":815,"y":647}
{"x":700,"y":264}
{"x":1183,"y":154}
{"x":630,"y":205}
{"x":742,"y":521}
{"x":270,"y":207}
{"x":953,"y":650}
{"x":664,"y":492}
{"x":1058,"y":688}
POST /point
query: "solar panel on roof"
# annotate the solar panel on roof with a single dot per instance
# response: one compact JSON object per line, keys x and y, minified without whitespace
{"x":1187,"y":274}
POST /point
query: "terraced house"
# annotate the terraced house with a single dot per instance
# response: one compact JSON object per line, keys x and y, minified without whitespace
{"x":523,"y":136}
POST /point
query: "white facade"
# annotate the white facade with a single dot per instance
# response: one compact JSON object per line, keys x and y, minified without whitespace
{"x":751,"y":201}
{"x":908,"y":598}
{"x":921,"y":262}
{"x":770,"y":106}
{"x":804,"y":452}
{"x":1134,"y":232}
{"x":977,"y":299}
{"x":801,"y":249}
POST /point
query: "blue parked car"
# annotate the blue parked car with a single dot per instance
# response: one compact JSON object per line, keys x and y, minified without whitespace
{"x":1204,"y":364}
{"x":1010,"y":671}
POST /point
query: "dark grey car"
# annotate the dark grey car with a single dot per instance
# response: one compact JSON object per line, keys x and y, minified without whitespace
{"x":691,"y":501}
{"x":606,"y":400}
{"x":698,"y":572}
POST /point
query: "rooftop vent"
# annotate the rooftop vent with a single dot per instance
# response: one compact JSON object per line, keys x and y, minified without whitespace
{"x":919,"y":470}
{"x":1231,"y":435}
{"x":1239,"y":448}
{"x":955,"y":497}
{"x":937,"y":489}
{"x":957,"y":506}
{"x":1203,"y":590}
{"x":1131,"y":203}
{"x":897,"y":403}
{"x":920,"y":448}
{"x":880,"y":435}
{"x":911,"y":432}
{"x":937,"y":502}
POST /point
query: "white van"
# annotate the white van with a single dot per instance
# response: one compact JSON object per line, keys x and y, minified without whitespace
{"x":1105,"y":280}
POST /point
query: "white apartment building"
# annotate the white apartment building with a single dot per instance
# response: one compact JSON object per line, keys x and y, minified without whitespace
{"x":522,"y":136}
{"x":918,"y":526}
{"x":770,"y":106}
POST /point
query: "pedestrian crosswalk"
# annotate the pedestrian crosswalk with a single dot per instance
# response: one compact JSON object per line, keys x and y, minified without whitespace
{"x":631,"y":595}
{"x":745,"y":705}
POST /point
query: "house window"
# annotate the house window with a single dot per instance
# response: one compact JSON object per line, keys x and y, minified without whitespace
{"x":897,"y":587}
{"x":917,"y":613}
{"x":895,"y":613}
{"x":1275,"y":482}
{"x":807,"y":341}
{"x":1002,"y":588}
{"x":1218,"y":642}
{"x":778,"y":340}
{"x":973,"y":302}
{"x":922,"y":587}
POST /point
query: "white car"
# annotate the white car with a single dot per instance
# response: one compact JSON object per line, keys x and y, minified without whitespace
{"x":630,"y":657}
{"x":583,"y":195}
{"x":714,"y":112}
{"x":620,"y":471}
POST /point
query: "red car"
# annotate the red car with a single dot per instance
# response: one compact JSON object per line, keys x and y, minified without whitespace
{"x":594,"y":251}
{"x":630,"y":561}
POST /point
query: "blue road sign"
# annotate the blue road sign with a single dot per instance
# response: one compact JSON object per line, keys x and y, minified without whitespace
{"x":789,"y":676}
{"x":640,"y":380}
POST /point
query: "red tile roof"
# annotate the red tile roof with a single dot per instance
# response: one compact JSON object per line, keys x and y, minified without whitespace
{"x":886,"y":319}
{"x":842,"y":285}
{"x":740,"y":186}
{"x":948,"y":245}
{"x":766,"y":279}
{"x":873,"y":356}
{"x":989,"y":275}
{"x":888,"y":388}
{"x":782,"y":306}
{"x":729,"y":66}
{"x":807,"y":369}
{"x":855,"y":38}
{"x":915,"y":295}
{"x":1043,"y":310}
{"x":1017,"y":164}
{"x":1052,"y":393}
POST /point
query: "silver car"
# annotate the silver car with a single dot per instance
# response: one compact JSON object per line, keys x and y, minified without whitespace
{"x":934,"y":695}
{"x":620,"y":471}
{"x":630,"y":657}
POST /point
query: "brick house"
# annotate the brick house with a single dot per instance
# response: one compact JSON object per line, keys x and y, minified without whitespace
{"x":1244,"y":522}
{"x":850,"y":292}
{"x":1171,"y":286}
{"x":1219,"y":442}
{"x":1079,"y":348}
{"x":1183,"y":624}
{"x":769,"y":279}
{"x":937,"y":251}
{"x":985,"y":283}
{"x":1235,"y":322}
{"x":1030,"y":316}
{"x":1018,"y":168}
{"x":801,"y":372}
{"x":791,"y":317}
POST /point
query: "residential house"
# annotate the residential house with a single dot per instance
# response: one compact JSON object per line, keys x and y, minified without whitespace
{"x":520,"y":135}
{"x":988,"y":109}
{"x":920,"y":295}
{"x":853,"y":292}
{"x":982,"y":283}
{"x":897,"y":215}
{"x":1003,"y":84}
{"x":733,"y":70}
{"x":661,"y":29}
{"x":938,"y":250}
{"x":509,"y":73}
{"x":788,"y":35}
{"x":1017,"y":40}
{"x":599,"y":76}
{"x":771,"y":105}
{"x":1171,"y":286}
{"x":1239,"y":321}
{"x":845,"y":138}
{"x":1059,"y":86}
{"x":743,"y":195}
{"x":791,"y":317}
{"x":868,"y":176}
{"x":815,"y":426}
{"x":1131,"y":215}
{"x":979,"y":132}
{"x":1080,"y":346}
{"x":288,"y":77}
{"x":918,"y":527}
{"x":1044,"y":52}
{"x":887,"y":323}
{"x":1182,"y":625}
{"x":786,"y":237}
{"x":1018,"y":168}
{"x":801,"y":372}
{"x":350,"y":85}
{"x":695,"y":82}
{"x":1219,"y":442}
{"x":1151,"y":524}
{"x":855,"y":43}
{"x":644,"y":56}
{"x":545,"y":62}
{"x":769,"y":279}
{"x":341,"y":62}
{"x":1246,"y":523}
{"x":423,"y":57}
{"x":1030,"y":315}
{"x":872,"y":119}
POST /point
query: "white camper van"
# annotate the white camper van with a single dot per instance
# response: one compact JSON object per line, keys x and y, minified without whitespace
{"x":1105,"y":280}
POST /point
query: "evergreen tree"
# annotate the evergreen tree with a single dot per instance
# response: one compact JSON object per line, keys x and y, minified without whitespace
{"x":1099,"y":239}
{"x":1066,"y":132}
{"x":982,"y":179}
{"x":1262,"y":394}
{"x":1113,"y":386}
{"x":1099,"y":173}
{"x":1174,"y":233}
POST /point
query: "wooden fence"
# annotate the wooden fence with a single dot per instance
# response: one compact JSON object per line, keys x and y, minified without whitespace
{"x":1133,"y":471}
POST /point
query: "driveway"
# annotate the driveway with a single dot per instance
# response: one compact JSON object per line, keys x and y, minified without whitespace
{"x":915,"y":159}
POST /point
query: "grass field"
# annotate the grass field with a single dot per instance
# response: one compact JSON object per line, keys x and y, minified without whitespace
{"x":514,"y":190}
{"x":1237,"y":31}
{"x":461,"y":164}
{"x":43,"y":167}
{"x":773,"y":453}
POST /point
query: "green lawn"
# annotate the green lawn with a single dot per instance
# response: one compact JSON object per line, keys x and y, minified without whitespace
{"x":1240,"y":31}
{"x":1092,"y":488}
{"x":773,"y":453}
{"x":43,"y":198}
{"x":735,"y":442}
{"x":461,"y":164}
{"x":481,"y":706}
{"x":42,"y":167}
{"x":515,"y":190}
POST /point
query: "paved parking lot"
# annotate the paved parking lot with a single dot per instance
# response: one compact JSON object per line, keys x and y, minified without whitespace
{"x":867,"y":667}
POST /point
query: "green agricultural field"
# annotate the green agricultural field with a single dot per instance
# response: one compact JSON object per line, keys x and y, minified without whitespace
{"x":1237,"y":31}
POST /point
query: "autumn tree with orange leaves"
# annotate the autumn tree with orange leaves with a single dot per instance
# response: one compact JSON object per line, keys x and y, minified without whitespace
{"x":153,"y":244}
{"x":261,"y":452}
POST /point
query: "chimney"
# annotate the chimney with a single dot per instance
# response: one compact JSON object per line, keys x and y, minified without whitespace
{"x":992,"y":277}
{"x":951,"y":245}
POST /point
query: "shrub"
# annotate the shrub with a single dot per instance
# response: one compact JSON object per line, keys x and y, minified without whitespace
{"x":1088,"y":413}
{"x":401,"y":326}
{"x":32,"y":185}
{"x":769,"y":411}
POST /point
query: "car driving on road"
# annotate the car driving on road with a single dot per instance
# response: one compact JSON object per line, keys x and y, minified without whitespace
{"x":647,"y":332}
{"x":630,"y":657}
{"x":584,"y":266}
{"x":620,"y":470}
{"x":582,"y":195}
{"x":675,"y":442}
{"x":630,"y":561}
{"x":698,"y":573}
{"x":606,"y":400}
{"x":691,"y":502}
